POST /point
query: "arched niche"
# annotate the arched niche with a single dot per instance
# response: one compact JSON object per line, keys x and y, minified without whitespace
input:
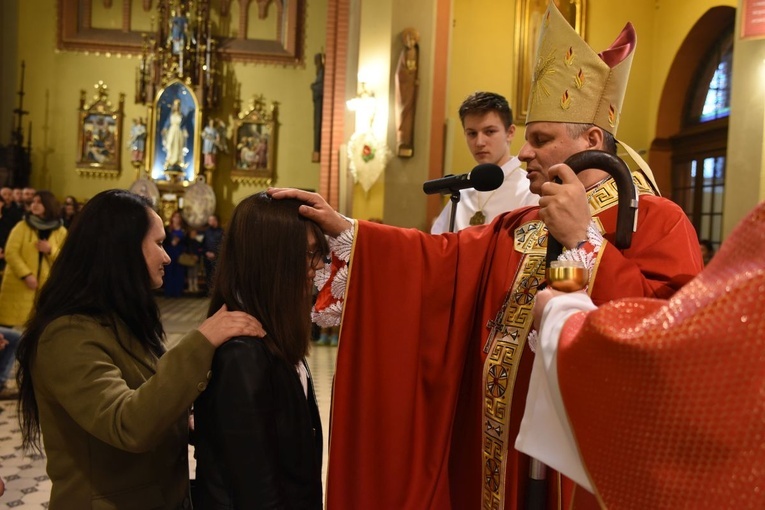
{"x":680,"y":80}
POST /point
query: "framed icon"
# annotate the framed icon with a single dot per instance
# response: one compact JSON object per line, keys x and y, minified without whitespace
{"x":99,"y":130}
{"x":255,"y":137}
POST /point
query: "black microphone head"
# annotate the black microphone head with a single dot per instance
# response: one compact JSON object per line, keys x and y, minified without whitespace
{"x":486,"y":177}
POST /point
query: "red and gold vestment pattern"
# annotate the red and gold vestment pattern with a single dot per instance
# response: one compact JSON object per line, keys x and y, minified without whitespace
{"x":427,"y":401}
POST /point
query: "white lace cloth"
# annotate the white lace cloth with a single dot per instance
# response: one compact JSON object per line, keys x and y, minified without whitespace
{"x":335,"y":275}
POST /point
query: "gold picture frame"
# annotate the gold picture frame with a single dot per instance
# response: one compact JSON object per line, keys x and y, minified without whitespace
{"x":255,"y":139}
{"x":81,"y":27}
{"x":528,"y":21}
{"x":99,"y":133}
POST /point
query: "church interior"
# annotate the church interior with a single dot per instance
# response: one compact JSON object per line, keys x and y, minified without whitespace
{"x":274,"y":93}
{"x":269,"y":53}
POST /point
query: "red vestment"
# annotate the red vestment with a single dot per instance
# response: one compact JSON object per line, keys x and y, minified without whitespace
{"x":675,"y":399}
{"x":426,"y":403}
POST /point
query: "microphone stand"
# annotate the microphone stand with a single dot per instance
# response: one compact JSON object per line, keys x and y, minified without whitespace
{"x":455,"y":199}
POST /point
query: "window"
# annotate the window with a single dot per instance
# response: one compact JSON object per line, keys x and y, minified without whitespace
{"x":699,"y":150}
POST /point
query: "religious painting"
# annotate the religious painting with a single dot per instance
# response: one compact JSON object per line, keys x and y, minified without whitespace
{"x":528,"y":22}
{"x":255,"y":138}
{"x":175,"y":138}
{"x":99,"y":130}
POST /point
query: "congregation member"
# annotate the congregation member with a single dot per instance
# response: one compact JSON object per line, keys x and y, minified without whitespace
{"x":258,"y":434}
{"x":707,"y":250}
{"x":211,"y":242}
{"x":176,"y":243}
{"x":27,"y":194}
{"x":9,"y":341}
{"x":7,"y":222}
{"x":433,"y":362}
{"x":18,"y":199}
{"x":192,"y":260}
{"x":69,"y":211}
{"x":97,"y":384}
{"x":668,"y":392}
{"x":10,"y":210}
{"x":31,"y":249}
{"x":487,"y":121}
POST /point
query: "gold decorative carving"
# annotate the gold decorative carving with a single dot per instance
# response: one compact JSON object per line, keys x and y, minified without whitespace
{"x":286,"y":46}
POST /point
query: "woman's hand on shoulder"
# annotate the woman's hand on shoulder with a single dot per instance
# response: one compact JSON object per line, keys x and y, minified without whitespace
{"x":224,"y":325}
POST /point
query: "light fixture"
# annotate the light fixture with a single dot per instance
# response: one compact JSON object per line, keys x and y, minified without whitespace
{"x":365,"y":105}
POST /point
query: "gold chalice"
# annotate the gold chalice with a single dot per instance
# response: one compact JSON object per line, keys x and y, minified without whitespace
{"x":567,"y":275}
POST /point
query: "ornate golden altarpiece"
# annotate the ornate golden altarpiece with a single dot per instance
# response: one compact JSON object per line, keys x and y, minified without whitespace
{"x":181,"y":79}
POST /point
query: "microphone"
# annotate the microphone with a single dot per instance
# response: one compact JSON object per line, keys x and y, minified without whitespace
{"x":484,"y":177}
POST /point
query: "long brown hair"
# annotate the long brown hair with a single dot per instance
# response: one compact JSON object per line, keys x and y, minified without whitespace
{"x":263,"y":270}
{"x":99,"y":272}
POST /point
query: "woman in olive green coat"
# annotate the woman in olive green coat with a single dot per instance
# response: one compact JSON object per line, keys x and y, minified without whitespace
{"x":94,"y":376}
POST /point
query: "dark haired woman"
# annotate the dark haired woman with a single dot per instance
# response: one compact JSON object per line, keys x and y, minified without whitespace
{"x":69,"y":210}
{"x":32,"y":246}
{"x":94,"y":376}
{"x":258,"y":432}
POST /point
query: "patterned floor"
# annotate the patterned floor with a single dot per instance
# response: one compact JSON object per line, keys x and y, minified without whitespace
{"x":27,"y":485}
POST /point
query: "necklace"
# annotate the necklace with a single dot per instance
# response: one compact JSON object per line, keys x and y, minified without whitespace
{"x":479,"y":218}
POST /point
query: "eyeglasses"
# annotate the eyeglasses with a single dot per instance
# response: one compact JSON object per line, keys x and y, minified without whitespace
{"x":315,"y":257}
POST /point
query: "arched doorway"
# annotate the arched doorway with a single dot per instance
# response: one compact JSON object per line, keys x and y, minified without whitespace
{"x":689,"y":152}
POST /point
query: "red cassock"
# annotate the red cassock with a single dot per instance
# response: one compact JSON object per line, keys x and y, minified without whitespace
{"x":667,"y":399}
{"x":427,"y":400}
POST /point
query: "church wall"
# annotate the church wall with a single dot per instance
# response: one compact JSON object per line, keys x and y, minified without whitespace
{"x":745,"y":171}
{"x":483,"y":58}
{"x":405,"y":203}
{"x":674,"y":20}
{"x":9,"y":69}
{"x":55,"y":78}
{"x":372,"y":68}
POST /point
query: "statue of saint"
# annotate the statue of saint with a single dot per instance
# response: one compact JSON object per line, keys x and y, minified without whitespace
{"x":210,"y":143}
{"x":174,"y":139}
{"x":137,"y":141}
{"x":406,"y":92}
{"x":317,"y":88}
{"x":178,"y":32}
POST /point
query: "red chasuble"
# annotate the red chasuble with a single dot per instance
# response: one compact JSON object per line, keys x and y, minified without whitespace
{"x":672,"y":394}
{"x":427,"y":399}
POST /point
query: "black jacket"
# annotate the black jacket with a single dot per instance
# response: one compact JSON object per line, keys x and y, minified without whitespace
{"x":258,"y":439}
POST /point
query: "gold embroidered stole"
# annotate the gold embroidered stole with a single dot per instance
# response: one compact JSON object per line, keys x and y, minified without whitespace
{"x":507,"y":339}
